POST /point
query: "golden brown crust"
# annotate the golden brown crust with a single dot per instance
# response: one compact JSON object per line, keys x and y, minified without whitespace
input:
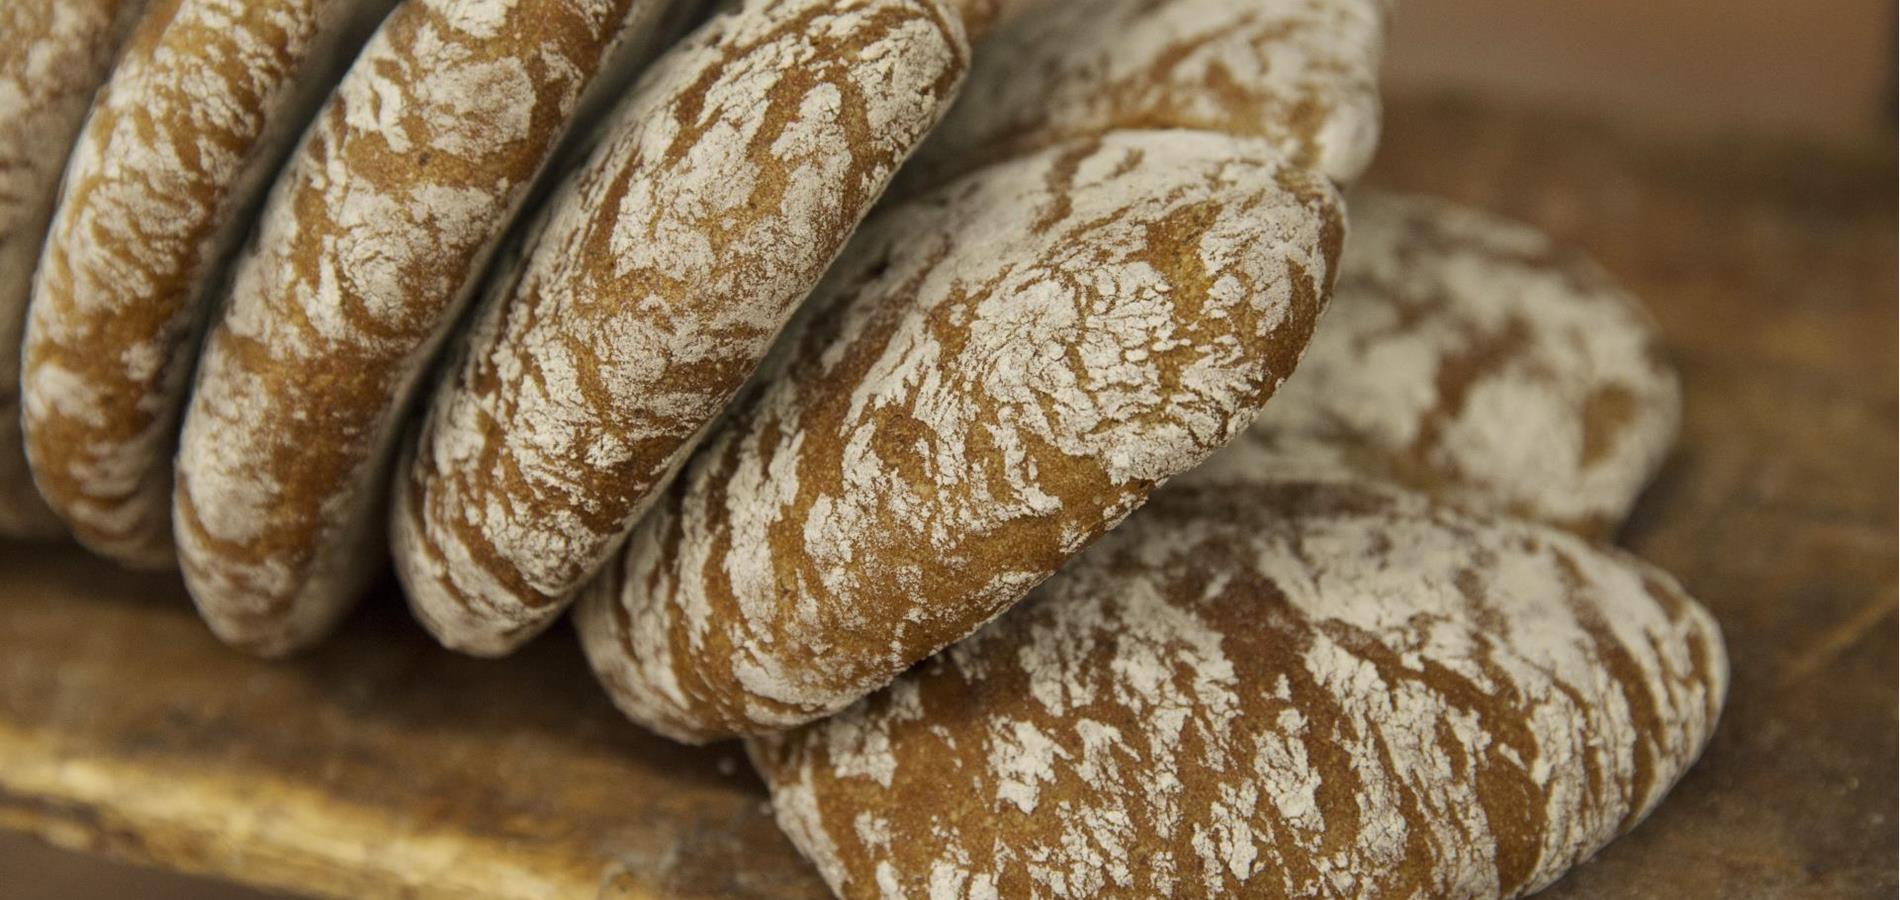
{"x":653,"y":286}
{"x":54,"y":55}
{"x":372,"y":239}
{"x":1288,"y":690}
{"x":990,"y":378}
{"x":180,"y":145}
{"x":1471,"y":358}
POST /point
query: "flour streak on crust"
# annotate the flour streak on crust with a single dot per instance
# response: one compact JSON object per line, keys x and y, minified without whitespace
{"x":989,"y":379}
{"x":181,"y":143}
{"x":1299,"y":690}
{"x":54,"y":56}
{"x":653,"y":286}
{"x":1302,"y":74}
{"x":1469,"y":357}
{"x":372,"y":240}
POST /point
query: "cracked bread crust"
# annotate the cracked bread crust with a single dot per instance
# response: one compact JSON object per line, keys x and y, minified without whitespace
{"x":163,"y":185}
{"x":374,"y":237}
{"x":989,"y":379}
{"x":1300,"y":74}
{"x":1473,"y":359}
{"x":56,"y":54}
{"x":1277,"y":690}
{"x":652,"y":288}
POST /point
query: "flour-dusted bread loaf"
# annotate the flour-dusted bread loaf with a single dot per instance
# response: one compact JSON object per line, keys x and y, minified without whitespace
{"x":373,"y":237}
{"x":990,"y":378}
{"x":662,"y":271}
{"x":1302,"y":74}
{"x":1291,"y":690}
{"x":53,"y":55}
{"x":1471,"y":358}
{"x":181,"y":143}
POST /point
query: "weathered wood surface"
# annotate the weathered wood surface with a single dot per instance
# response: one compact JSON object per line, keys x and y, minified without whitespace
{"x":381,"y":766}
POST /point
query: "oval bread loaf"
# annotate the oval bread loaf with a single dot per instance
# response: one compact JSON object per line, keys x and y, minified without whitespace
{"x":1302,"y":74}
{"x":55,"y":54}
{"x":1291,"y":690}
{"x":1471,"y":358}
{"x":992,"y":377}
{"x":662,"y":271}
{"x":181,"y":143}
{"x":374,"y":235}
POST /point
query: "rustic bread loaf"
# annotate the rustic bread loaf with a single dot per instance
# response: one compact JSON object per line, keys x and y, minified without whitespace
{"x":1302,"y":74}
{"x":991,"y":378}
{"x":664,"y":267}
{"x":54,"y":55}
{"x":181,"y":143}
{"x":1290,"y":690}
{"x":374,"y":236}
{"x":1473,"y":359}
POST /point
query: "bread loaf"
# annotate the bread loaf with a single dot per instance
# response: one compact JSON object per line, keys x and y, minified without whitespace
{"x":373,"y":237}
{"x":664,"y":267}
{"x":55,"y":54}
{"x":1302,"y":74}
{"x":1473,"y":359}
{"x":181,"y":143}
{"x":991,"y":378}
{"x":1289,"y":690}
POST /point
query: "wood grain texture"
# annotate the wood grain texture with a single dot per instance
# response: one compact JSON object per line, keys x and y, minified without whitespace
{"x":1772,"y":273}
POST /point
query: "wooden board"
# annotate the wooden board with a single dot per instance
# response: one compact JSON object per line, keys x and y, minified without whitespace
{"x":381,"y":766}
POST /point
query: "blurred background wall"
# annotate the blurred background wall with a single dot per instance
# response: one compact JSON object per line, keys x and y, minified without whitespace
{"x":1819,"y":71}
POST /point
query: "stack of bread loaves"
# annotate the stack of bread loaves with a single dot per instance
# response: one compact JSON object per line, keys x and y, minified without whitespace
{"x":994,"y":516}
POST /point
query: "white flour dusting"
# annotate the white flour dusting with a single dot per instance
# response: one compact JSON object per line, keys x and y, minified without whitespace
{"x":55,"y":55}
{"x":1412,"y":702}
{"x":182,"y":142}
{"x":368,"y":248}
{"x":990,"y":378}
{"x":1300,"y":74}
{"x":1470,"y":357}
{"x":655,"y":283}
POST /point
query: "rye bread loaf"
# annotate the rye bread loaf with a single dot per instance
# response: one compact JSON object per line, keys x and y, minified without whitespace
{"x":181,"y":143}
{"x":1473,"y":359}
{"x":54,"y":55}
{"x":1302,"y":74}
{"x":989,"y":379}
{"x":659,"y":276}
{"x":373,"y":238}
{"x":1290,"y":690}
